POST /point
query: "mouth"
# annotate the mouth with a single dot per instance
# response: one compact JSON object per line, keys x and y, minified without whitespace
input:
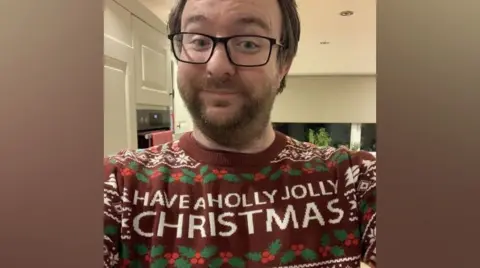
{"x":222,"y":92}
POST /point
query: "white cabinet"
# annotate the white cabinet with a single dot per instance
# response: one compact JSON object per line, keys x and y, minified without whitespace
{"x":152,"y":65}
{"x":118,"y":79}
{"x":137,"y":71}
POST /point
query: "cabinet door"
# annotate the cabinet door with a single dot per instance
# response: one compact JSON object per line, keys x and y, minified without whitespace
{"x":152,"y":66}
{"x":118,"y":82}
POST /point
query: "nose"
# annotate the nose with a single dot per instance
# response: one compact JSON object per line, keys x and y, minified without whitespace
{"x":219,"y":65}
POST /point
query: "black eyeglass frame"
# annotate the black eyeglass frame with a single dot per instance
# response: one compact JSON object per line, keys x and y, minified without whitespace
{"x":224,"y":40}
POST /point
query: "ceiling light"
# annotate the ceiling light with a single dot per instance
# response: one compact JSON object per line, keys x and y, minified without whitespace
{"x":346,"y":13}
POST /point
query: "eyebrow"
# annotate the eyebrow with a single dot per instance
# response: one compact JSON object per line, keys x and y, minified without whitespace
{"x":254,"y":21}
{"x":195,"y":19}
{"x":244,"y":21}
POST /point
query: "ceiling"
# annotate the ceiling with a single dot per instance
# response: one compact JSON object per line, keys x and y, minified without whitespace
{"x":349,"y":42}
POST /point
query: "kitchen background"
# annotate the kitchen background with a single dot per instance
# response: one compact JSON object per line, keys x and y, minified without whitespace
{"x":331,"y":90}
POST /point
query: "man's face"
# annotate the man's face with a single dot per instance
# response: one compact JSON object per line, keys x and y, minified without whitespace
{"x":221,"y":97}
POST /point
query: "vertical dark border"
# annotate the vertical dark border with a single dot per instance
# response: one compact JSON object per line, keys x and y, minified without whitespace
{"x":51,"y":141}
{"x":428,"y":99}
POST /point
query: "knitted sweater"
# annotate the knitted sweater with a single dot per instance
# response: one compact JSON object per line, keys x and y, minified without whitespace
{"x":292,"y":205}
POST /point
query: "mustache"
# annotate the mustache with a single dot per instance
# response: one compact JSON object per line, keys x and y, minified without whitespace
{"x":221,"y":84}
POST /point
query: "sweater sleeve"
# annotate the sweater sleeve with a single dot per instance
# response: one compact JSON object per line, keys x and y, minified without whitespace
{"x":112,"y":214}
{"x":366,"y":191}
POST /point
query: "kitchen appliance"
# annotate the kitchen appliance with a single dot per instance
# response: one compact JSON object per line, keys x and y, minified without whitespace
{"x":150,"y":121}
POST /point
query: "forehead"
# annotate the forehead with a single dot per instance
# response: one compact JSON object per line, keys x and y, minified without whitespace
{"x":265,"y":14}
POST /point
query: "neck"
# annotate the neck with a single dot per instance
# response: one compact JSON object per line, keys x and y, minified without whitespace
{"x":259,"y":144}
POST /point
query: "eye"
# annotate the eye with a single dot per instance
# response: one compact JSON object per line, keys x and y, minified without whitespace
{"x":196,"y":42}
{"x":200,"y":41}
{"x":248,"y":45}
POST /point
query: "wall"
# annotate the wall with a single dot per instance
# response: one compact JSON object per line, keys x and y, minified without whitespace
{"x":327,"y":99}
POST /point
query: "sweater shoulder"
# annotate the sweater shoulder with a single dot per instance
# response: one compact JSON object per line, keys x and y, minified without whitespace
{"x":305,"y":151}
{"x":168,"y":154}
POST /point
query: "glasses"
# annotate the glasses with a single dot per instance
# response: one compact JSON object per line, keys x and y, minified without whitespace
{"x":242,"y":50}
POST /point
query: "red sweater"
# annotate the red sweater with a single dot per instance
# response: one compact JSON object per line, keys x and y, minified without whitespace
{"x":292,"y":205}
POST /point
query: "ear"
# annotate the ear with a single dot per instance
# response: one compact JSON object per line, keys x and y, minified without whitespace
{"x":282,"y":72}
{"x":284,"y":69}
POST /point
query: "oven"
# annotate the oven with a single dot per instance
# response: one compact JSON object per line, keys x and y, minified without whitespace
{"x":151,"y":124}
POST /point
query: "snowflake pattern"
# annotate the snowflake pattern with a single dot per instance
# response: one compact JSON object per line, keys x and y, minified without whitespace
{"x":359,"y":180}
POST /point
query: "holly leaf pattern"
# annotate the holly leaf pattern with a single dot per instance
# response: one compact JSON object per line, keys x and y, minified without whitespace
{"x":169,"y":179}
{"x":209,"y":178}
{"x":182,"y":263}
{"x":308,"y":165}
{"x":254,"y":256}
{"x":295,"y":172}
{"x":248,"y":176}
{"x":231,"y":178}
{"x":363,"y":206}
{"x":337,"y":251}
{"x":341,"y":157}
{"x":187,"y":179}
{"x":135,"y":264}
{"x":325,"y":240}
{"x":141,"y":177}
{"x":148,"y":172}
{"x":275,"y":247}
{"x":186,"y":252}
{"x":309,"y":255}
{"x":189,"y":173}
{"x":356,"y":233}
{"x":159,"y":263}
{"x":110,"y":230}
{"x":275,"y":176}
{"x":124,"y":253}
{"x":133,"y":165}
{"x":321,"y":168}
{"x":156,"y":251}
{"x":141,"y":249}
{"x":236,"y":262}
{"x":340,"y":235}
{"x":208,"y":251}
{"x":203,"y":170}
{"x":266,"y":170}
{"x":216,"y":263}
{"x":287,"y":257}
{"x":164,"y":170}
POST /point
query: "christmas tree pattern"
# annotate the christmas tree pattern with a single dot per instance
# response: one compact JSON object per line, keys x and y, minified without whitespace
{"x":294,"y":162}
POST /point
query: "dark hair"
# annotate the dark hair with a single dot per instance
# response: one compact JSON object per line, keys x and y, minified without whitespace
{"x":290,"y":30}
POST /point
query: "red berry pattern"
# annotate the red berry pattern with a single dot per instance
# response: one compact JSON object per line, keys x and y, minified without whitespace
{"x":297,"y":249}
{"x":367,"y":216}
{"x":207,"y":175}
{"x":197,"y":259}
{"x":324,"y":251}
{"x":267,"y":257}
{"x":351,"y":240}
{"x":171,"y":257}
{"x":226,"y":256}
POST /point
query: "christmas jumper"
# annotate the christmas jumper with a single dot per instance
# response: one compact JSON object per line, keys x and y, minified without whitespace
{"x":293,"y":205}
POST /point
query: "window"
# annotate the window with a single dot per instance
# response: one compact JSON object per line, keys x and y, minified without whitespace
{"x":339,"y":132}
{"x":369,"y":137}
{"x":353,"y":135}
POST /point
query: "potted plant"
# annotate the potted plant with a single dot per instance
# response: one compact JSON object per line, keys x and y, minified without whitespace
{"x":355,"y":147}
{"x":320,"y":137}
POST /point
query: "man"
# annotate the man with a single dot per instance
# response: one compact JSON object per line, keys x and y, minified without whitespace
{"x":235,"y":193}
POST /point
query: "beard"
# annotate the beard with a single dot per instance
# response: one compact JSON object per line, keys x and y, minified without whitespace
{"x":246,"y":119}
